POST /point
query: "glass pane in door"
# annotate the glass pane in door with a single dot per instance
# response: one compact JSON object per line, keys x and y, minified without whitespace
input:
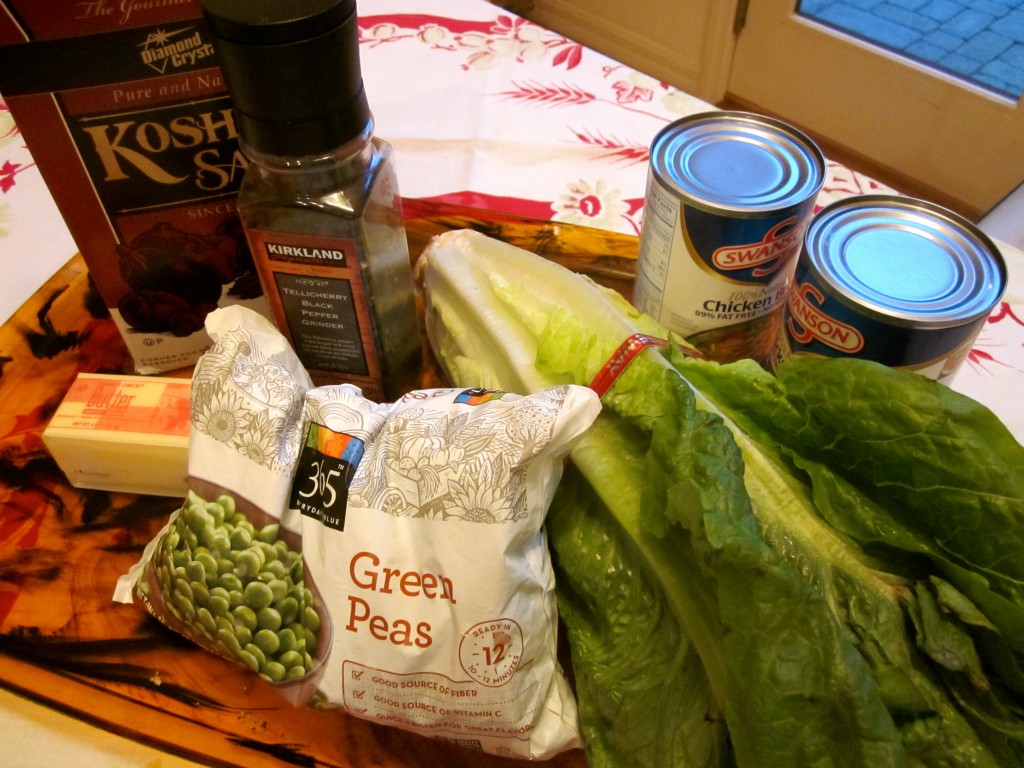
{"x":981,"y":41}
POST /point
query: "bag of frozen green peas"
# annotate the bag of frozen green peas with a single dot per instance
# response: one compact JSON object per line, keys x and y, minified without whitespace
{"x":389,"y":559}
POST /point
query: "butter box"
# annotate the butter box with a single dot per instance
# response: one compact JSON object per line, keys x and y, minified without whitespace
{"x":123,"y":433}
{"x":127,"y":117}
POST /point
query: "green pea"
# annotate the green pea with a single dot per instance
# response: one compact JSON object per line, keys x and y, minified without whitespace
{"x":197,"y":518}
{"x":186,"y":609}
{"x":286,"y":640}
{"x":288,"y":607}
{"x":205,"y":618}
{"x":249,"y":562}
{"x":200,"y":592}
{"x":277,"y":569}
{"x":165,"y":562}
{"x":258,"y":595}
{"x":253,"y":649}
{"x":290,"y":659}
{"x":230,"y":582}
{"x":219,"y":605}
{"x":171,"y":539}
{"x":222,"y":539}
{"x":195,"y":571}
{"x":227,"y":501}
{"x":249,"y":660}
{"x":181,"y":587}
{"x":310,"y":618}
{"x":208,"y":561}
{"x":216,"y":511}
{"x":268,"y":618}
{"x":279,"y":588}
{"x":274,"y":672}
{"x":243,"y":633}
{"x":300,"y":636}
{"x":240,"y":538}
{"x":236,"y":598}
{"x":267,"y":550}
{"x":207,"y":537}
{"x":294,"y":673}
{"x":245,"y":616}
{"x":228,"y":640}
{"x":269,"y":533}
{"x":267,"y":641}
{"x":180,"y":558}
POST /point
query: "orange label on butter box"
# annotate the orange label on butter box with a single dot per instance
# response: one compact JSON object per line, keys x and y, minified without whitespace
{"x":118,"y":404}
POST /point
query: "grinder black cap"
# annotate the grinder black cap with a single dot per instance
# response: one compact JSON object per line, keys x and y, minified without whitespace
{"x":292,"y":71}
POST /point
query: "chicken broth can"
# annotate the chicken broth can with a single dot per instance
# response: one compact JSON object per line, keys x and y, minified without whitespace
{"x":729,"y":195}
{"x":899,"y":281}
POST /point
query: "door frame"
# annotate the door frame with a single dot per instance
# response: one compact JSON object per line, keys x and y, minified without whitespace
{"x":899,"y":114}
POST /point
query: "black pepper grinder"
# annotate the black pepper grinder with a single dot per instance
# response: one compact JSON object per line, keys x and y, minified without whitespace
{"x":319,"y":201}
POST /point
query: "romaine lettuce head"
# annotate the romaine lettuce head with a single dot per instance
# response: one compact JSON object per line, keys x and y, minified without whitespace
{"x":821,"y":568}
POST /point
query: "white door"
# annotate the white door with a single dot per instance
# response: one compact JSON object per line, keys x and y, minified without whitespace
{"x":961,"y":140}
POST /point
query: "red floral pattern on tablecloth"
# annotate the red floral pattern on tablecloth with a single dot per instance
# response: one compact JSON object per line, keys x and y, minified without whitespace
{"x":506,"y":40}
{"x":9,"y":133}
{"x":989,"y":353}
{"x":485,"y":43}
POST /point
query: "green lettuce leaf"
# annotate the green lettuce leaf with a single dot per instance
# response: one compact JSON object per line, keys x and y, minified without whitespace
{"x":779,"y":530}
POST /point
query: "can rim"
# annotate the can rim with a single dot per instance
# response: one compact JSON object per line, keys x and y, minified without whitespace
{"x":781,"y":167}
{"x":963,"y":291}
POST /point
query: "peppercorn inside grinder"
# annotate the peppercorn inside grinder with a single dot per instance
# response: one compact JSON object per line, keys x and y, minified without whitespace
{"x":319,"y":202}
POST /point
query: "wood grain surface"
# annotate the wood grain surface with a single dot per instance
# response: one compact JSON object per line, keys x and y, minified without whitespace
{"x":64,"y":642}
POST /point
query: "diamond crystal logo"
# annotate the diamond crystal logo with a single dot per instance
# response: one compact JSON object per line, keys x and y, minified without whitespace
{"x":165,"y":51}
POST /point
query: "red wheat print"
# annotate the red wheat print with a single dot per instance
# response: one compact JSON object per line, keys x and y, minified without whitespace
{"x":564,"y":95}
{"x":632,"y":153}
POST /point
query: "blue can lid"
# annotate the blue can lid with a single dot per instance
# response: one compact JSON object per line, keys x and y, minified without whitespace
{"x":738,"y":162}
{"x":908,"y":261}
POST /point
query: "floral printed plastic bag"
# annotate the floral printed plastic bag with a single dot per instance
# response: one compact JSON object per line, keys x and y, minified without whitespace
{"x":389,"y":559}
{"x":226,"y":571}
{"x":422,"y":524}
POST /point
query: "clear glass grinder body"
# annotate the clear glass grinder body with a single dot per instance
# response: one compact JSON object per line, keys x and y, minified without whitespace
{"x":320,"y":202}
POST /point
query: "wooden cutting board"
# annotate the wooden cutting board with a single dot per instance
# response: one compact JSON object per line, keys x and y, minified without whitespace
{"x":64,"y":641}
